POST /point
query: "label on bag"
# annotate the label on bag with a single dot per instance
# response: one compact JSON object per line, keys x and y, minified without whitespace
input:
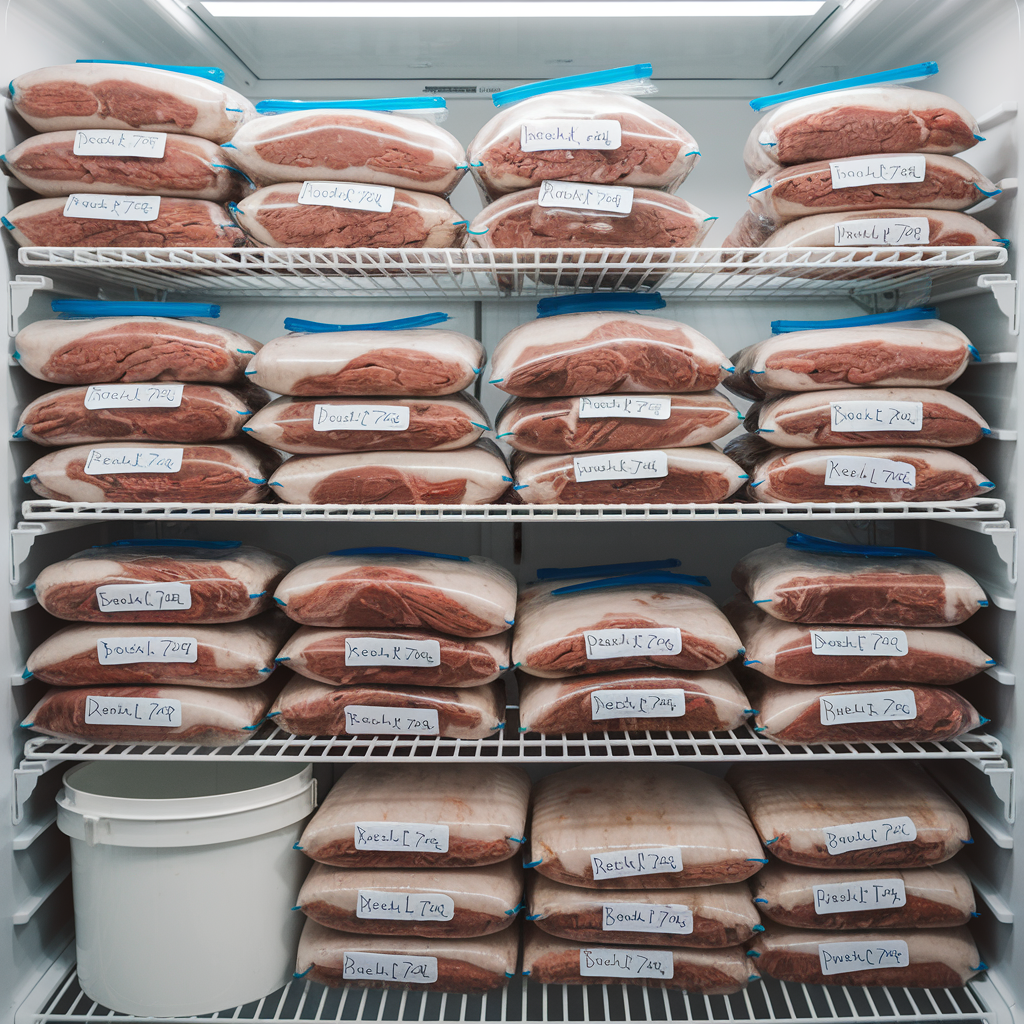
{"x":544,"y":136}
{"x":877,"y":170}
{"x":857,"y":470}
{"x":867,"y":835}
{"x":404,"y":906}
{"x":603,"y":644}
{"x":111,"y":142}
{"x":605,"y":704}
{"x":630,"y":407}
{"x":625,"y":963}
{"x":144,"y":711}
{"x":383,"y":967}
{"x":401,"y":835}
{"x":360,"y":417}
{"x":870,"y":894}
{"x":139,"y":650}
{"x":657,"y":860}
{"x":96,"y":207}
{"x":860,"y":643}
{"x":620,"y":466}
{"x":882,"y":231}
{"x":865,"y":415}
{"x":134,"y":396}
{"x":362,"y":719}
{"x":667,"y":918}
{"x":377,"y":198}
{"x":101,"y":461}
{"x":144,"y":597}
{"x":879,"y":706}
{"x":371,"y":650}
{"x":582,"y":196}
{"x":845,"y":957}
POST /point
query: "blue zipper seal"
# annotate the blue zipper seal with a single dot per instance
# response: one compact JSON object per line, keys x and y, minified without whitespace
{"x":405,"y":323}
{"x":587,"y":81}
{"x":902,"y":316}
{"x":802,"y":542}
{"x":100,"y":307}
{"x":634,"y":579}
{"x":393,"y":103}
{"x":599,"y":302}
{"x":909,"y":73}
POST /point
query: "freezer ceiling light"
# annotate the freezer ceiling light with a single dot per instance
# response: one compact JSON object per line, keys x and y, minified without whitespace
{"x":515,"y":9}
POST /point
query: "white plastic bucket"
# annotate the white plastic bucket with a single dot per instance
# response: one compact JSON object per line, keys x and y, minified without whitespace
{"x":184,"y":880}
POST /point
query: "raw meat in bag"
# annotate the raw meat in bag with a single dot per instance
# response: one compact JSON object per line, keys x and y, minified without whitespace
{"x":875,"y":814}
{"x":749,"y":232}
{"x":420,"y":816}
{"x":640,"y":826}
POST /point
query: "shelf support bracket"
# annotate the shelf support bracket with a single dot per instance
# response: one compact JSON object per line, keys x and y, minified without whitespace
{"x":26,"y":777}
{"x":20,"y":292}
{"x":1000,"y":778}
{"x":24,"y":535}
{"x":1002,"y":535}
{"x":1004,"y":288}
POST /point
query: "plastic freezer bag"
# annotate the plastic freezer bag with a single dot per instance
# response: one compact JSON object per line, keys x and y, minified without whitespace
{"x":451,"y":903}
{"x":466,"y":595}
{"x":229,"y":655}
{"x":162,"y":581}
{"x":749,"y":232}
{"x":639,"y":700}
{"x":879,"y":814}
{"x":640,"y":826}
{"x":420,"y":816}
{"x":132,"y":472}
{"x":131,"y":349}
{"x":932,"y":897}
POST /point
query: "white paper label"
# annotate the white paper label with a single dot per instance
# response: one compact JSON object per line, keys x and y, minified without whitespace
{"x":605,"y":704}
{"x":134,"y":396}
{"x":401,"y":835}
{"x":144,"y":597}
{"x":101,"y":461}
{"x":860,"y":643}
{"x":142,"y":711}
{"x":409,"y":970}
{"x":111,"y":142}
{"x":361,"y":719}
{"x":877,"y":170}
{"x":620,"y":466}
{"x":362,"y":651}
{"x":576,"y":195}
{"x":403,"y":906}
{"x":877,"y":706}
{"x":667,"y":918}
{"x":625,"y":963}
{"x":870,"y":894}
{"x":603,"y":644}
{"x":544,"y":136}
{"x":858,"y":471}
{"x":97,"y":207}
{"x":360,"y":417}
{"x":657,"y":860}
{"x":138,"y":650}
{"x":630,"y":407}
{"x":378,"y":198}
{"x":867,"y":835}
{"x":846,"y":957}
{"x":866,"y":415}
{"x":883,"y":231}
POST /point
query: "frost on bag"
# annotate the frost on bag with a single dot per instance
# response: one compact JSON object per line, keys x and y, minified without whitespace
{"x":840,"y":816}
{"x":420,"y":816}
{"x":229,"y":655}
{"x":640,"y":826}
{"x":120,"y":163}
{"x":636,"y":700}
{"x":452,"y":903}
{"x":712,"y":917}
{"x":122,"y":472}
{"x":186,"y":715}
{"x":811,"y":580}
{"x":465,"y":595}
{"x":796,"y":653}
{"x":162,"y":581}
{"x":308,"y":708}
{"x":121,"y":95}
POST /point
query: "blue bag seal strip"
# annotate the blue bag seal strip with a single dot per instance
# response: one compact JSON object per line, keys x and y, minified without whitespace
{"x":582,"y":571}
{"x":315,"y":327}
{"x":802,"y":542}
{"x":599,"y":302}
{"x":377,"y":550}
{"x":635,"y":579}
{"x":587,"y":81}
{"x":99,"y":307}
{"x":385,"y":105}
{"x":195,"y":70}
{"x":919,"y":313}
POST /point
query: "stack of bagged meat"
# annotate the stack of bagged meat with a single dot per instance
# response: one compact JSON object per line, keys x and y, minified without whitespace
{"x":863,"y":162}
{"x":129,"y":155}
{"x":417,"y":882}
{"x":857,"y":410}
{"x":855,"y":643}
{"x":395,"y":642}
{"x":613,"y":406}
{"x":423,"y":444}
